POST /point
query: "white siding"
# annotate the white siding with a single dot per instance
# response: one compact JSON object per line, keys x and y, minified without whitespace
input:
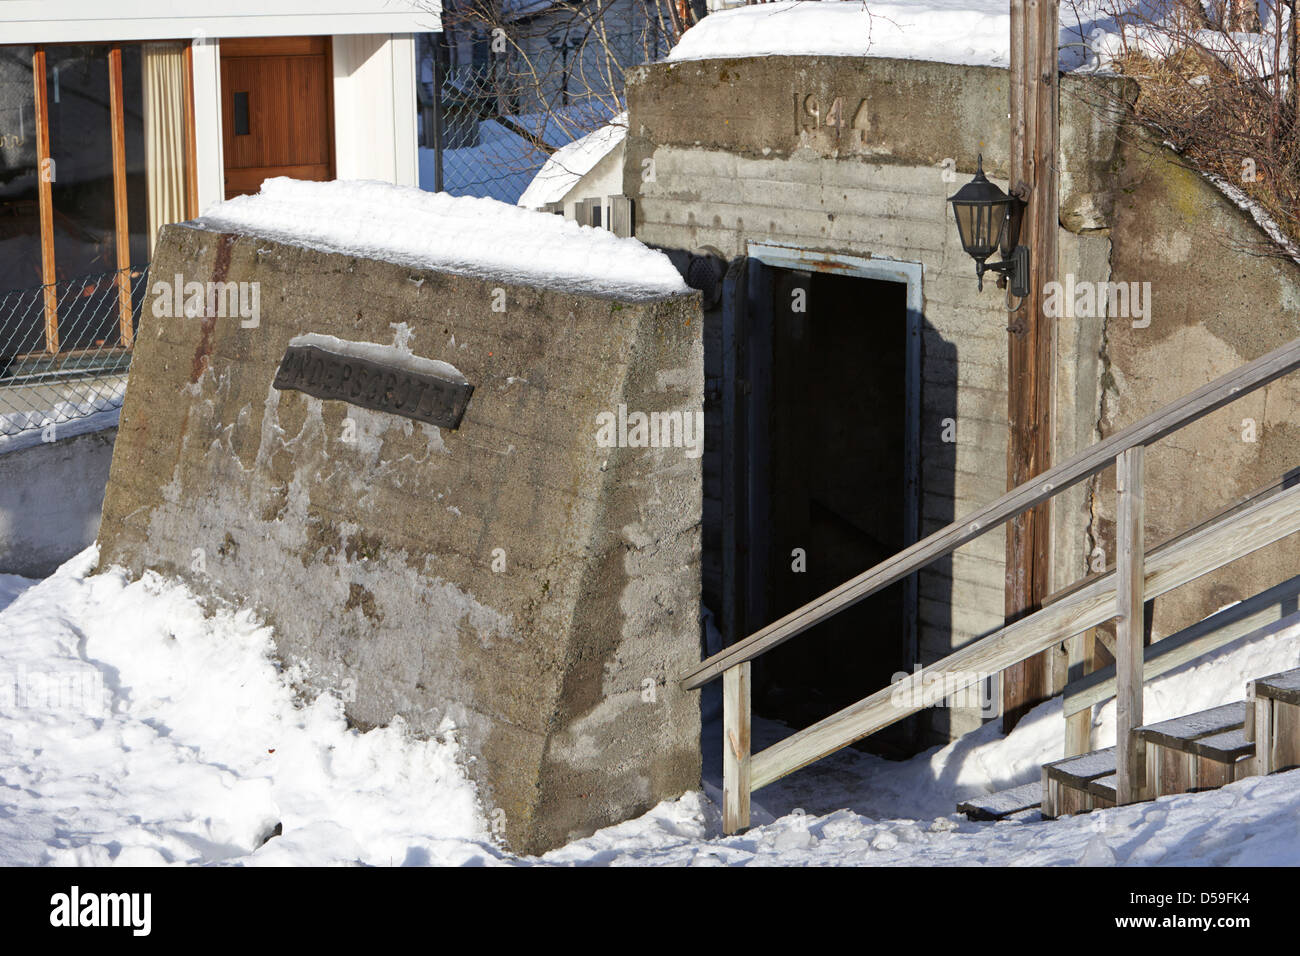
{"x":374,"y":108}
{"x":207,"y":123}
{"x":604,"y":180}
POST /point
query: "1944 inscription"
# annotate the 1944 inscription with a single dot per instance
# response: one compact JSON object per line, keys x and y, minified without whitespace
{"x":832,"y":121}
{"x":369,"y":384}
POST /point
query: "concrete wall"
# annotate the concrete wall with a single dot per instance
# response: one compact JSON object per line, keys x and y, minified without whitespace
{"x":738,"y":158}
{"x":50,"y":496}
{"x":1220,"y":297}
{"x":539,"y":591}
{"x":738,"y":166}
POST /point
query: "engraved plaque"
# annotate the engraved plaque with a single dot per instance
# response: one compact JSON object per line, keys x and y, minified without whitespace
{"x":414,"y":388}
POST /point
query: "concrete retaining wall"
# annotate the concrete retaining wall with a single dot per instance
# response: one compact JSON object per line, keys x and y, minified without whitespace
{"x":50,"y":497}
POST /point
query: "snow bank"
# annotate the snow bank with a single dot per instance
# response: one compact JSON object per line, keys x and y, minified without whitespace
{"x":1249,"y":823}
{"x":570,"y":163}
{"x":135,"y":730}
{"x":1250,"y":54}
{"x":972,"y":32}
{"x":464,"y":235}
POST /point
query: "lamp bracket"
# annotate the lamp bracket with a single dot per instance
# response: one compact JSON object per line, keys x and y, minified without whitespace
{"x":1015,"y":268}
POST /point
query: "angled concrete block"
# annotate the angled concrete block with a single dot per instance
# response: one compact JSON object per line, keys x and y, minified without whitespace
{"x":512,"y":577}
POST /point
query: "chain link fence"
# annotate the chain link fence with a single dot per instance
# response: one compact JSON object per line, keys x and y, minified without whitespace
{"x":488,"y":125}
{"x":65,"y":348}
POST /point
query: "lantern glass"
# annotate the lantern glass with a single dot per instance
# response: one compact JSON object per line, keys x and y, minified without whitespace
{"x":980,"y":208}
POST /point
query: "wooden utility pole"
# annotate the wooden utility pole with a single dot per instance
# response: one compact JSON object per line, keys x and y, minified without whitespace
{"x":1034,"y":147}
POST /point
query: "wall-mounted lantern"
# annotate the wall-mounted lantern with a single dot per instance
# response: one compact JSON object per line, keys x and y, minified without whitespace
{"x":984,"y":213}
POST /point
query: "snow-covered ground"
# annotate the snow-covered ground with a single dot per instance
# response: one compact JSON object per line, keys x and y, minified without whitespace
{"x":500,"y":167}
{"x":72,"y":408}
{"x":503,"y":163}
{"x":136,"y":730}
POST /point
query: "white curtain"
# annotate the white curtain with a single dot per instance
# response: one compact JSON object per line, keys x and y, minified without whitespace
{"x":164,"y":134}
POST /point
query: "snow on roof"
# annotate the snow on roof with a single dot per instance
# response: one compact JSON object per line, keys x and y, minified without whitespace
{"x":570,"y":163}
{"x":948,"y":31}
{"x":966,"y":32}
{"x":460,"y":234}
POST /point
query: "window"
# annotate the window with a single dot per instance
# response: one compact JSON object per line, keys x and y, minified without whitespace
{"x":95,"y":155}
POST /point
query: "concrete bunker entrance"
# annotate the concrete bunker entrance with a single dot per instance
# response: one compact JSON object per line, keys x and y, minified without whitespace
{"x":831,"y":474}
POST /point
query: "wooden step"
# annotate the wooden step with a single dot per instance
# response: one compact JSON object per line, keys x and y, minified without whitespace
{"x":1200,"y":751}
{"x":1180,"y":732}
{"x":1079,"y":784}
{"x":1003,"y":803}
{"x":1284,"y":687}
{"x":1273,"y":721}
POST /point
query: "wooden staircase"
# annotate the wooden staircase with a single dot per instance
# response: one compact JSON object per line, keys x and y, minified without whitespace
{"x":1201,"y":751}
{"x":1118,"y":775}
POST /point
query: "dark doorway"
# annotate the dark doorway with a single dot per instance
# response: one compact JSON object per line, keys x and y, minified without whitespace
{"x":836,"y":488}
{"x":819,"y":392}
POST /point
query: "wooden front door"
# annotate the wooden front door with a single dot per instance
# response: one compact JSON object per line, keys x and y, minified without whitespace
{"x":276,"y":110}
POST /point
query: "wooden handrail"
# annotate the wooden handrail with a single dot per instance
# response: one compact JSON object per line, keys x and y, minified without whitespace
{"x":1223,"y":627}
{"x":1288,"y":480}
{"x":1212,"y":547}
{"x":1172,"y":417}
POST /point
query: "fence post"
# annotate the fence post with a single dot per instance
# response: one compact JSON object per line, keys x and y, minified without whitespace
{"x":1130,"y":755}
{"x":439,"y":73}
{"x":735,"y":748}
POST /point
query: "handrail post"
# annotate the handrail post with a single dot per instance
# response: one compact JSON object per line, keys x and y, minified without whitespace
{"x":735,"y":748}
{"x":1130,"y":593}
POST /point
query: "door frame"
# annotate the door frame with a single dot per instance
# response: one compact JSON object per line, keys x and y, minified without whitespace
{"x":746,"y":321}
